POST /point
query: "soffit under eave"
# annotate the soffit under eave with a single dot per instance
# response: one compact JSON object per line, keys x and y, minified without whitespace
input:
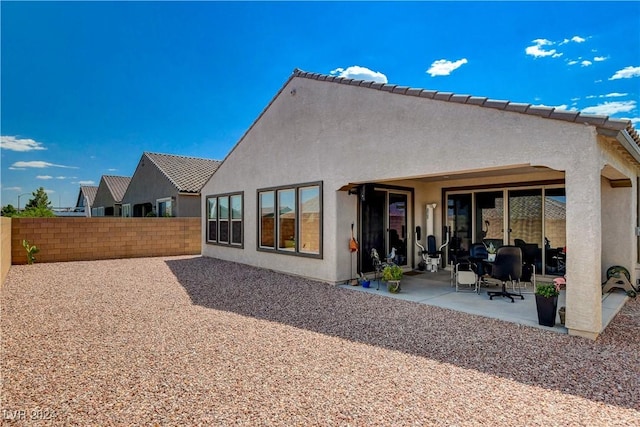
{"x":613,"y":140}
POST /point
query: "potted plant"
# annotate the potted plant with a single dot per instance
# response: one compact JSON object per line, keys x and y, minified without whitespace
{"x":491,"y":252}
{"x":547,"y":303}
{"x":392,"y":274}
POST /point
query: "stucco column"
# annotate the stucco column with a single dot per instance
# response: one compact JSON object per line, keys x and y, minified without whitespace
{"x":583,"y":221}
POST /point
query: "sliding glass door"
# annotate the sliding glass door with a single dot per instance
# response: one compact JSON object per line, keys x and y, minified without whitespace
{"x":385,"y":226}
{"x":531,"y":218}
{"x":489,"y":218}
{"x":525,"y":224}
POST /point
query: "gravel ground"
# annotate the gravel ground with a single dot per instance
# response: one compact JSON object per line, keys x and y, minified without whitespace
{"x":197,"y":341}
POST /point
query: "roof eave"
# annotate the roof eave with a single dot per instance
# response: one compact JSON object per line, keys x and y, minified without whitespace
{"x":629,"y":144}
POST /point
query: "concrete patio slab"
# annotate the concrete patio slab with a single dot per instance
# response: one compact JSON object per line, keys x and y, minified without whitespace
{"x":435,"y":289}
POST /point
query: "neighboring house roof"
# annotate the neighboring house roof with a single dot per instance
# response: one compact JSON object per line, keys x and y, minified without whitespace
{"x":89,"y":192}
{"x":188,"y":174}
{"x":117,"y":185}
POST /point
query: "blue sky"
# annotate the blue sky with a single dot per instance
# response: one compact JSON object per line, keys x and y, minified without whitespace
{"x":87,"y":87}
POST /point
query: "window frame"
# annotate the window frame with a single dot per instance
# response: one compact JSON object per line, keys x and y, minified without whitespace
{"x":297,"y":215}
{"x":164,"y":200}
{"x":126,"y":210}
{"x":230,"y":243}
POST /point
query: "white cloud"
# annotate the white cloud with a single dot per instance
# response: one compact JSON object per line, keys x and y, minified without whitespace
{"x":610,"y":108}
{"x":444,"y":67}
{"x":607,"y":95}
{"x":575,"y":39}
{"x":600,"y":58}
{"x":19,"y":144}
{"x":44,"y":177}
{"x":538,"y":51}
{"x":112,"y":170}
{"x":573,"y":62}
{"x":12,"y":188}
{"x":586,"y":63}
{"x":357,"y":72}
{"x":557,"y":107}
{"x":11,"y":168}
{"x":626,"y":73}
{"x":49,"y":191}
{"x":85,"y":182}
{"x":39,"y":164}
{"x":635,"y":120}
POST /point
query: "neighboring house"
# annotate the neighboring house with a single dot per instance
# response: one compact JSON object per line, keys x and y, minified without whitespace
{"x":390,"y":158}
{"x":86,"y":197}
{"x":108,"y":199}
{"x":167,"y":185}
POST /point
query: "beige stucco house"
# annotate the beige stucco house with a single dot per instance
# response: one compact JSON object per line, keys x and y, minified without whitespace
{"x":167,"y":185}
{"x":86,"y":198}
{"x":330,"y":152}
{"x":108,"y":197}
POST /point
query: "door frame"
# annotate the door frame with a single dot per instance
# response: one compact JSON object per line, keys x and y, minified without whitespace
{"x":505,"y":188}
{"x":410,"y":240}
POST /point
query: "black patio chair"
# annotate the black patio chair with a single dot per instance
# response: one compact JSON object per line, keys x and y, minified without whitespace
{"x":507,"y":268}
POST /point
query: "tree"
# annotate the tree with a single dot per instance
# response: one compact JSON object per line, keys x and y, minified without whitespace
{"x":39,"y":200}
{"x":38,"y":207}
{"x":8,"y":210}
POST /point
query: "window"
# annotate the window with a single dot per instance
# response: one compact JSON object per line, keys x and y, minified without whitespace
{"x":126,"y":210}
{"x":291,"y":219}
{"x":163,"y":207}
{"x":309,"y":228}
{"x":225,"y":219}
{"x":267,"y":220}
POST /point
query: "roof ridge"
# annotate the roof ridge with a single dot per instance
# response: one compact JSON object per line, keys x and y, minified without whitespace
{"x":171,"y":180}
{"x":111,"y":189}
{"x":168,"y":175}
{"x":181,"y":155}
{"x":574,"y":116}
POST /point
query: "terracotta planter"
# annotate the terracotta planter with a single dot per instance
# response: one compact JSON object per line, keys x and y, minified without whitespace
{"x":546,"y":307}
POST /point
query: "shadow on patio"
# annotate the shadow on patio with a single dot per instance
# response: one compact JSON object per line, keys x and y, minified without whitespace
{"x":524,"y":354}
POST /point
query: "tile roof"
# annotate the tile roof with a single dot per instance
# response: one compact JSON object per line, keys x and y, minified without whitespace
{"x":188,"y":174}
{"x":599,"y":121}
{"x":89,"y":192}
{"x":117,"y":185}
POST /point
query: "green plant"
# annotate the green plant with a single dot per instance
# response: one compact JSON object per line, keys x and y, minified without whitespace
{"x":491,"y":249}
{"x":32,"y":250}
{"x":392,"y":272}
{"x":548,"y":290}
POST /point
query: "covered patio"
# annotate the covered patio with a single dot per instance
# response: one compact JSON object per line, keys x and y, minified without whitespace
{"x":435,"y":289}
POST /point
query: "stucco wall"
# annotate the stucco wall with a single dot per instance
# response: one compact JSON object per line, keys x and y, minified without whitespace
{"x":76,"y":239}
{"x":147,"y":185}
{"x":5,"y":248}
{"x":103,"y":197}
{"x":341,"y":134}
{"x":188,"y":206}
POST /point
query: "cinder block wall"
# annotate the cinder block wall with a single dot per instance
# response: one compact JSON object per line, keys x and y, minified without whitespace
{"x":5,"y":248}
{"x":81,"y":239}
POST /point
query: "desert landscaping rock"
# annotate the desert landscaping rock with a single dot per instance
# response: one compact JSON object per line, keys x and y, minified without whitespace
{"x":198,"y":341}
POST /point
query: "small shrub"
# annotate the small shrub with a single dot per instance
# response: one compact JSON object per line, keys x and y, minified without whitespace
{"x":547,"y":290}
{"x":392,"y":272}
{"x":32,"y":250}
